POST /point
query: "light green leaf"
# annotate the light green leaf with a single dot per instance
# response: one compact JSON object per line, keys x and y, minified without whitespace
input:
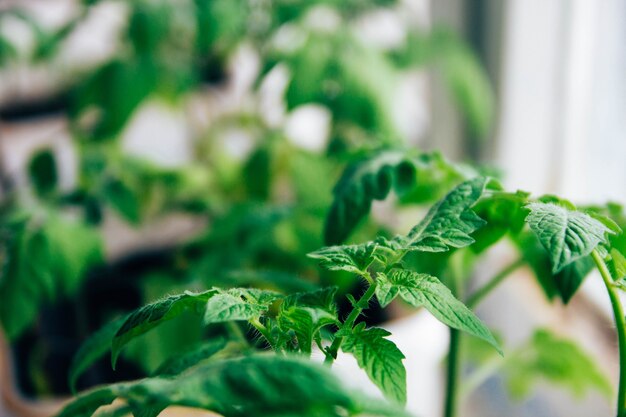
{"x":504,"y":213}
{"x":380,"y":358}
{"x":617,"y":266}
{"x":422,"y":290}
{"x":567,"y":235}
{"x":558,"y":360}
{"x":149,"y":316}
{"x":350,"y":258}
{"x":93,"y":349}
{"x":238,"y":304}
{"x":450,"y":222}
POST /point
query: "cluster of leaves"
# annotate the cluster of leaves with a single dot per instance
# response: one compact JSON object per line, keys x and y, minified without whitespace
{"x":294,"y":325}
{"x":167,"y":49}
{"x":44,"y":256}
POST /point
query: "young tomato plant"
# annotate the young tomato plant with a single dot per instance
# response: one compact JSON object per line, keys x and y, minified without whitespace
{"x":220,"y":375}
{"x":271,"y":374}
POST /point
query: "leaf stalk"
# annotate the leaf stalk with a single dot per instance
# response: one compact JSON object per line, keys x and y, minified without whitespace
{"x":497,"y":279}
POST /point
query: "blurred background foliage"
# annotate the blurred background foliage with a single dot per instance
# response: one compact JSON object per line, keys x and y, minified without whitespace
{"x":258,"y":198}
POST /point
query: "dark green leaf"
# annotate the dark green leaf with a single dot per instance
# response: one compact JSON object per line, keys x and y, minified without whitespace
{"x":259,"y":385}
{"x":567,"y":235}
{"x":569,"y":279}
{"x":422,"y":290}
{"x":537,"y":258}
{"x":93,"y":349}
{"x":380,"y":358}
{"x":123,"y":200}
{"x":185,"y":360}
{"x":48,"y":257}
{"x":416,"y":179}
{"x":42,"y":171}
{"x":360,"y":184}
{"x":87,"y":404}
{"x":306,"y":313}
{"x":149,"y":316}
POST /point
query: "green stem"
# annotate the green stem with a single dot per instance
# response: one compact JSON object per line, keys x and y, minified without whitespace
{"x":479,"y":295}
{"x":452,"y":374}
{"x":620,"y":324}
{"x":357,"y":309}
{"x":453,"y":368}
{"x":264,"y":332}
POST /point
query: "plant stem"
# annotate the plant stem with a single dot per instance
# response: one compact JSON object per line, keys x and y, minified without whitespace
{"x":479,"y":295}
{"x":357,"y":308}
{"x":264,"y":331}
{"x":452,"y":372}
{"x":620,"y":324}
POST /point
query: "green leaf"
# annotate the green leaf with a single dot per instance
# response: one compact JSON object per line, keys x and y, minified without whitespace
{"x":305,"y":314}
{"x":504,"y":213}
{"x":361,"y":183}
{"x":570,"y":278}
{"x":558,"y":360}
{"x":238,"y":304}
{"x":116,"y":89}
{"x":86,"y":404}
{"x":123,"y":200}
{"x":350,"y":258}
{"x":537,"y":259}
{"x":449,"y":223}
{"x":566,"y":282}
{"x":185,"y":360}
{"x":257,"y":385}
{"x":380,"y":358}
{"x":151,"y":411}
{"x":422,"y":290}
{"x":617,"y":266}
{"x":149,"y":316}
{"x":47,"y":257}
{"x":567,"y":235}
{"x":42,"y":171}
{"x":93,"y":349}
{"x":416,"y":179}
